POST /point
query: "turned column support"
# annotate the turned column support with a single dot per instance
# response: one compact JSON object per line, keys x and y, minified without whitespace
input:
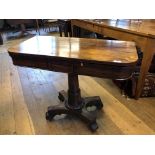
{"x":75,"y":101}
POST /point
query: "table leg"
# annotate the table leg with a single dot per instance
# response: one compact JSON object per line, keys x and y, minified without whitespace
{"x":75,"y":105}
{"x":146,"y":62}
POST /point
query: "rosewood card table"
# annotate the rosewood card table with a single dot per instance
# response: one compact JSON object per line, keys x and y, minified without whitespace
{"x":74,"y":56}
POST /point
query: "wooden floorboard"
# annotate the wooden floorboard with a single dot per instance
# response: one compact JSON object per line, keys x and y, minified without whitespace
{"x":25,"y":94}
{"x":142,"y":108}
{"x":22,"y":117}
{"x":7,"y":122}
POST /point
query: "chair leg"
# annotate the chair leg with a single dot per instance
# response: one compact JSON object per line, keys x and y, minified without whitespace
{"x":1,"y":39}
{"x":60,"y":31}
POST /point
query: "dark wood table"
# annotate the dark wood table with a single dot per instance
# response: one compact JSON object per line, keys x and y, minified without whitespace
{"x":74,"y":56}
{"x":142,"y":32}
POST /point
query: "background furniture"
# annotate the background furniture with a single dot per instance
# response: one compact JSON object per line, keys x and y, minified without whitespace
{"x":23,"y":23}
{"x":142,"y":32}
{"x":65,"y":26}
{"x":92,"y":57}
{"x":48,"y":23}
{"x":13,"y":24}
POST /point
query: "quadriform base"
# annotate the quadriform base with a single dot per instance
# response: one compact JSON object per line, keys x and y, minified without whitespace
{"x":73,"y":104}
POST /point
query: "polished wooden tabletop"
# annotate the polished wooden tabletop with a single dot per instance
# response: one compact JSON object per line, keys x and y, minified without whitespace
{"x":118,"y":52}
{"x":140,"y":26}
